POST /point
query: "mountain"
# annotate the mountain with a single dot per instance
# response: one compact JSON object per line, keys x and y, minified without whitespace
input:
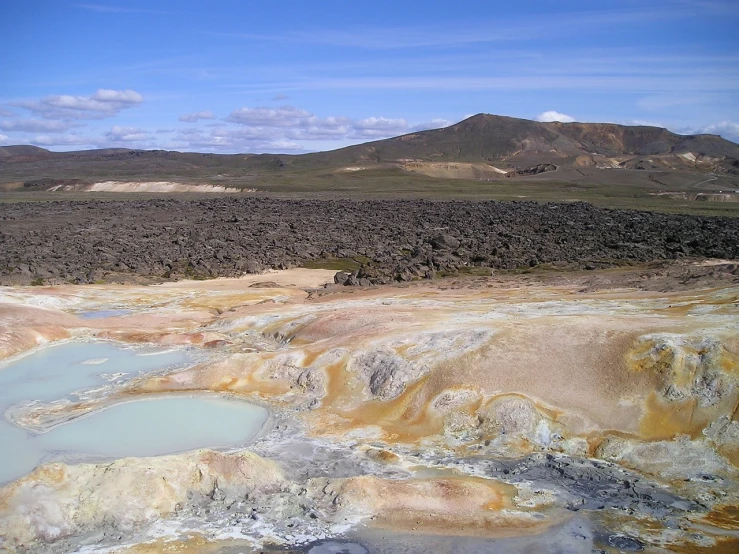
{"x":23,"y":152}
{"x":513,"y":142}
{"x":482,"y":147}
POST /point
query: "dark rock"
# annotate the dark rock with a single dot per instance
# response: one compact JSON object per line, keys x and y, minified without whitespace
{"x":443,"y":242}
{"x":82,"y":240}
{"x":249,"y":266}
{"x":535,"y":170}
{"x":341,"y":277}
{"x":626,"y":544}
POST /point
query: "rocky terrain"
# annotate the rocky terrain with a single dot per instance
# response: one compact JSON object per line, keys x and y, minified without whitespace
{"x":373,"y":241}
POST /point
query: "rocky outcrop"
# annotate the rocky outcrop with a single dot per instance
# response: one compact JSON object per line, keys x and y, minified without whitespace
{"x":384,"y":373}
{"x":58,"y":500}
{"x":534,"y":170}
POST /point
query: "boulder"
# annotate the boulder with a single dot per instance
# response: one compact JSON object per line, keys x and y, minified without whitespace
{"x":444,"y":242}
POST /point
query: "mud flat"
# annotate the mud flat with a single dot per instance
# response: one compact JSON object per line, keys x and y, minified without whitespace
{"x":574,"y":411}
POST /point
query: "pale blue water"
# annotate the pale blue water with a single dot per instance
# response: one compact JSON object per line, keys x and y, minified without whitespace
{"x":146,"y":427}
{"x":100,"y":314}
{"x":56,"y":371}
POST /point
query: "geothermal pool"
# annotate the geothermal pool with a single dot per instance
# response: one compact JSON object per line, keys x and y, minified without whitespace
{"x":144,"y":427}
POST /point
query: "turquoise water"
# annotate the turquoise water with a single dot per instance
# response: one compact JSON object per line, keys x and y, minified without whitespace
{"x":145,"y":427}
{"x":100,"y":314}
{"x":57,"y":371}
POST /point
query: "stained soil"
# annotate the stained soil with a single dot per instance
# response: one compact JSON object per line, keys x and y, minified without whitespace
{"x":372,"y":242}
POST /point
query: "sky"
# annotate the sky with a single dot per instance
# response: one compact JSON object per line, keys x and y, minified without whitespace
{"x":299,"y":76}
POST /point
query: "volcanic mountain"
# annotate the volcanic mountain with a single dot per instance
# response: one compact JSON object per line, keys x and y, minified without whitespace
{"x":482,"y":147}
{"x":516,"y":142}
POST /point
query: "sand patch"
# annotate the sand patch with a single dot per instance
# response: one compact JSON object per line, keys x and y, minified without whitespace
{"x":149,"y":186}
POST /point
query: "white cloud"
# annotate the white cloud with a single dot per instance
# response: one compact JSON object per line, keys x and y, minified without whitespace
{"x":727,"y":129}
{"x":6,"y":113}
{"x":641,"y":123}
{"x":285,"y":116}
{"x":378,"y":127}
{"x":282,"y":145}
{"x":103,"y":103}
{"x":288,"y":122}
{"x":4,"y":139}
{"x":285,"y":128}
{"x":64,"y":140}
{"x":225,"y":139}
{"x":551,"y":115}
{"x":35,"y":126}
{"x":318,"y":131}
{"x":118,"y":96}
{"x":434,"y":124}
{"x":127,"y":134}
{"x":196,"y":116}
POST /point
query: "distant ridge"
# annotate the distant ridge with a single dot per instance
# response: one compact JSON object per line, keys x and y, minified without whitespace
{"x":24,"y":151}
{"x":503,"y":145}
{"x":494,"y":138}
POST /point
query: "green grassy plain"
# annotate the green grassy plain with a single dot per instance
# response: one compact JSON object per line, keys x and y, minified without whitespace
{"x":392,"y":183}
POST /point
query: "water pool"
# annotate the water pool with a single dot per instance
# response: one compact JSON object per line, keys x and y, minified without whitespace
{"x":100,"y":314}
{"x":56,"y":371}
{"x":144,"y":427}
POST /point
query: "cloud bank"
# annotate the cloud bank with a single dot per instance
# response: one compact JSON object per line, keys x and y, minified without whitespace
{"x":66,"y":121}
{"x":36,"y":126}
{"x":197,"y":116}
{"x":727,"y":129}
{"x":551,"y":115}
{"x":127,"y":134}
{"x":287,"y":128}
{"x":246,"y":129}
{"x":62,"y":140}
{"x":103,"y":103}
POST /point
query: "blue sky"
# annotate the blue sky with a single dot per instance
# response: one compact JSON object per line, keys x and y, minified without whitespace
{"x":294,"y":76}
